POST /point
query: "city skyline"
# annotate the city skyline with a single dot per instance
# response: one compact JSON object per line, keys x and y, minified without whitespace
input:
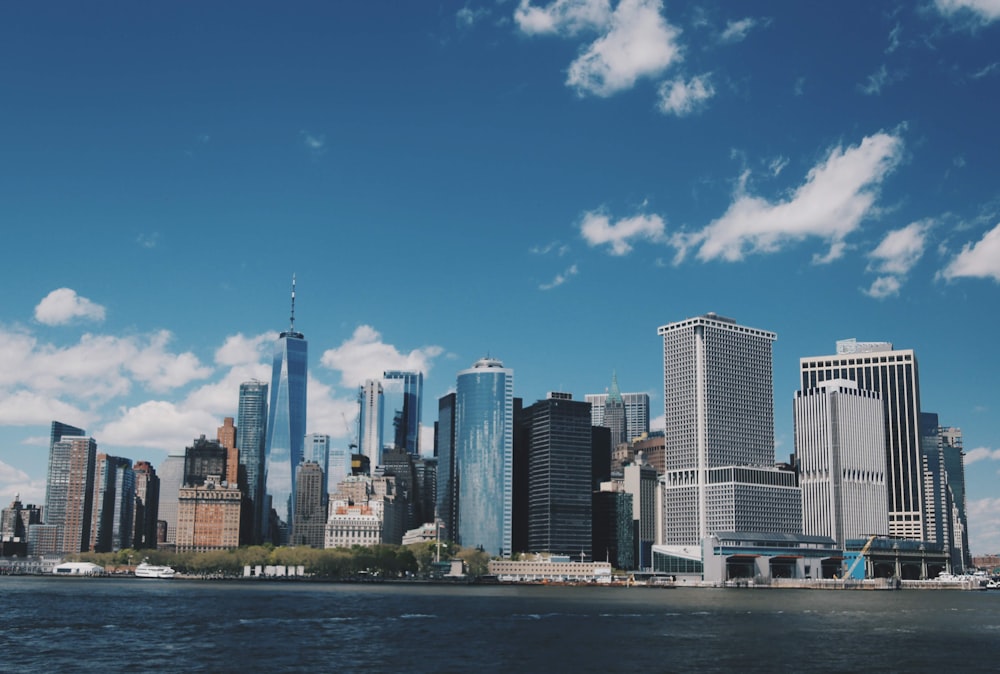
{"x":486,"y":178}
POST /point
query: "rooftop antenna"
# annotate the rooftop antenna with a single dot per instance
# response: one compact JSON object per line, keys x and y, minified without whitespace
{"x":292,"y":328}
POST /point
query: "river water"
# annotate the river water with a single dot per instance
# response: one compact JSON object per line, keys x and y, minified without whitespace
{"x":86,"y":625}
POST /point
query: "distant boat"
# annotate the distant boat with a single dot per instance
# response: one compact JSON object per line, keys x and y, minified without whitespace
{"x":145,"y":570}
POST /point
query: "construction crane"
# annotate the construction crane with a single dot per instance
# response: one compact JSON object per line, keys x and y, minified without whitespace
{"x":860,"y":557}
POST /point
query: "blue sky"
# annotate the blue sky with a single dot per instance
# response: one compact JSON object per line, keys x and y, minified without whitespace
{"x":543,"y":182}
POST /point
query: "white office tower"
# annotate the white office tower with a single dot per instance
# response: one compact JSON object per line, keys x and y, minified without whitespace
{"x":840,"y":453}
{"x":719,"y":408}
{"x":370,"y":416}
{"x":876,"y":366}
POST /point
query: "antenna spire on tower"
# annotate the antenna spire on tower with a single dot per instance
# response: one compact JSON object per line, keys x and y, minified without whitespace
{"x":292,"y":328}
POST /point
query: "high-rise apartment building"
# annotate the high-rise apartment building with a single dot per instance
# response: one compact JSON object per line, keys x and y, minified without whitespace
{"x":113,"y":504}
{"x":614,"y":529}
{"x":840,"y":456}
{"x":70,"y":485}
{"x":447,"y":479}
{"x":877,"y":366}
{"x":944,"y":489}
{"x":171,"y":474}
{"x":371,"y":412}
{"x":636,"y":411}
{"x":251,"y":441}
{"x":484,"y":449}
{"x":641,"y":481}
{"x":317,"y":449}
{"x":310,"y":505}
{"x":719,"y":412}
{"x":204,"y":458}
{"x":147,"y":505}
{"x":286,"y":424}
{"x":560,"y":447}
{"x":402,"y":397}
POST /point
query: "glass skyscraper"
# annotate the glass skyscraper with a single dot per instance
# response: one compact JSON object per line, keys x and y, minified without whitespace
{"x":402,"y":394}
{"x":251,"y":436}
{"x":370,"y":416}
{"x":286,"y":424}
{"x":484,"y":452}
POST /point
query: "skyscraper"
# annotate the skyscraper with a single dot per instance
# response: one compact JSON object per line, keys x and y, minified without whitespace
{"x":719,"y":410}
{"x":636,"y":411}
{"x":614,"y":414}
{"x":147,"y":505}
{"x":251,"y":438}
{"x":69,"y":486}
{"x":317,"y":450}
{"x":944,"y":489}
{"x":113,"y":504}
{"x":286,"y":423}
{"x":876,"y":366}
{"x":371,"y":412}
{"x":840,"y":455}
{"x":171,"y":472}
{"x":484,"y":447}
{"x":560,"y":446}
{"x":310,"y":505}
{"x":447,"y":479}
{"x":403,"y":394}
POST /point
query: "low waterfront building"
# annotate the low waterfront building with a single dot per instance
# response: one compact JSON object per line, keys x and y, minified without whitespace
{"x":559,"y":569}
{"x":733,"y":555}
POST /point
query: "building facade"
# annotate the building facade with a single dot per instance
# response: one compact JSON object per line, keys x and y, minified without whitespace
{"x":447,"y":478}
{"x":636,"y":411}
{"x":560,"y":447}
{"x":251,"y":441}
{"x":69,"y":487}
{"x":208,"y":516}
{"x":402,"y":395}
{"x":147,"y":505}
{"x":113,"y":504}
{"x":484,"y":447}
{"x":371,"y":413}
{"x":719,"y":412}
{"x":310,"y":506}
{"x":877,"y":366}
{"x":840,"y":457}
{"x":171,"y":473}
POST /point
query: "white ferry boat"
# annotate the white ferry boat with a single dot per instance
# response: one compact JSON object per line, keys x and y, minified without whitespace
{"x":145,"y":570}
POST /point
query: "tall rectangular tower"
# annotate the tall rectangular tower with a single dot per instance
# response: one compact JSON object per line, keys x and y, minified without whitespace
{"x":69,"y":492}
{"x":559,"y":475}
{"x":286,"y":424}
{"x":719,"y":409}
{"x":402,"y":395}
{"x":447,"y":480}
{"x":113,"y":504}
{"x":371,"y":412}
{"x":251,"y":440}
{"x":484,"y":456}
{"x":877,"y":366}
{"x":147,"y":505}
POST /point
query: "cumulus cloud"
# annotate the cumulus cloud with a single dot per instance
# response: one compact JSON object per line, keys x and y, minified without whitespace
{"x":559,"y":279}
{"x":986,"y":10}
{"x":837,"y":195}
{"x":158,"y":424}
{"x":96,"y":369}
{"x":366,"y":356}
{"x":884,"y":286}
{"x":677,"y":97}
{"x":241,"y":350}
{"x":900,"y":249}
{"x":982,"y":454}
{"x":15,"y":482}
{"x":638,"y":43}
{"x":737,"y":31}
{"x":597,"y":229}
{"x":984,"y":525}
{"x":330,"y":415}
{"x":63,"y":306}
{"x":978,"y":260}
{"x":27,"y":408}
{"x":562,"y":17}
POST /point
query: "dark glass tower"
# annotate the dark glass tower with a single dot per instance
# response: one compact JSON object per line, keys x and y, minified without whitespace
{"x":286,"y":424}
{"x":251,"y":436}
{"x":402,"y":393}
{"x":447,"y":480}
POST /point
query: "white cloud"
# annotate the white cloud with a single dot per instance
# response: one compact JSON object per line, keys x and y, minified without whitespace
{"x":981,"y":454}
{"x":900,"y":250}
{"x":157,"y":424}
{"x":837,"y":195}
{"x":678,"y":97}
{"x":315,"y":143}
{"x":327,"y":414}
{"x":658,"y":423}
{"x":27,"y":408}
{"x":98,"y":368}
{"x":777,"y":165}
{"x":978,"y":260}
{"x":559,"y":279}
{"x":366,"y":356}
{"x":564,"y":17}
{"x":736,"y":31}
{"x":984,"y":525}
{"x":884,"y":286}
{"x":63,"y":305}
{"x":597,"y":229}
{"x":986,"y":10}
{"x":241,"y":350}
{"x":15,"y":482}
{"x":638,"y":43}
{"x":466,"y":17}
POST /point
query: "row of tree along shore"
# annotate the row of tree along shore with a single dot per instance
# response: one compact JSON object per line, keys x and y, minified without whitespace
{"x":382,"y":561}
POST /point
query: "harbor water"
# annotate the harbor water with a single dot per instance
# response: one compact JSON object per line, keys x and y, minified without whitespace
{"x":138,"y":625}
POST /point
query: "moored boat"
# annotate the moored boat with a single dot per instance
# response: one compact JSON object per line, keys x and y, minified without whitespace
{"x":145,"y":570}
